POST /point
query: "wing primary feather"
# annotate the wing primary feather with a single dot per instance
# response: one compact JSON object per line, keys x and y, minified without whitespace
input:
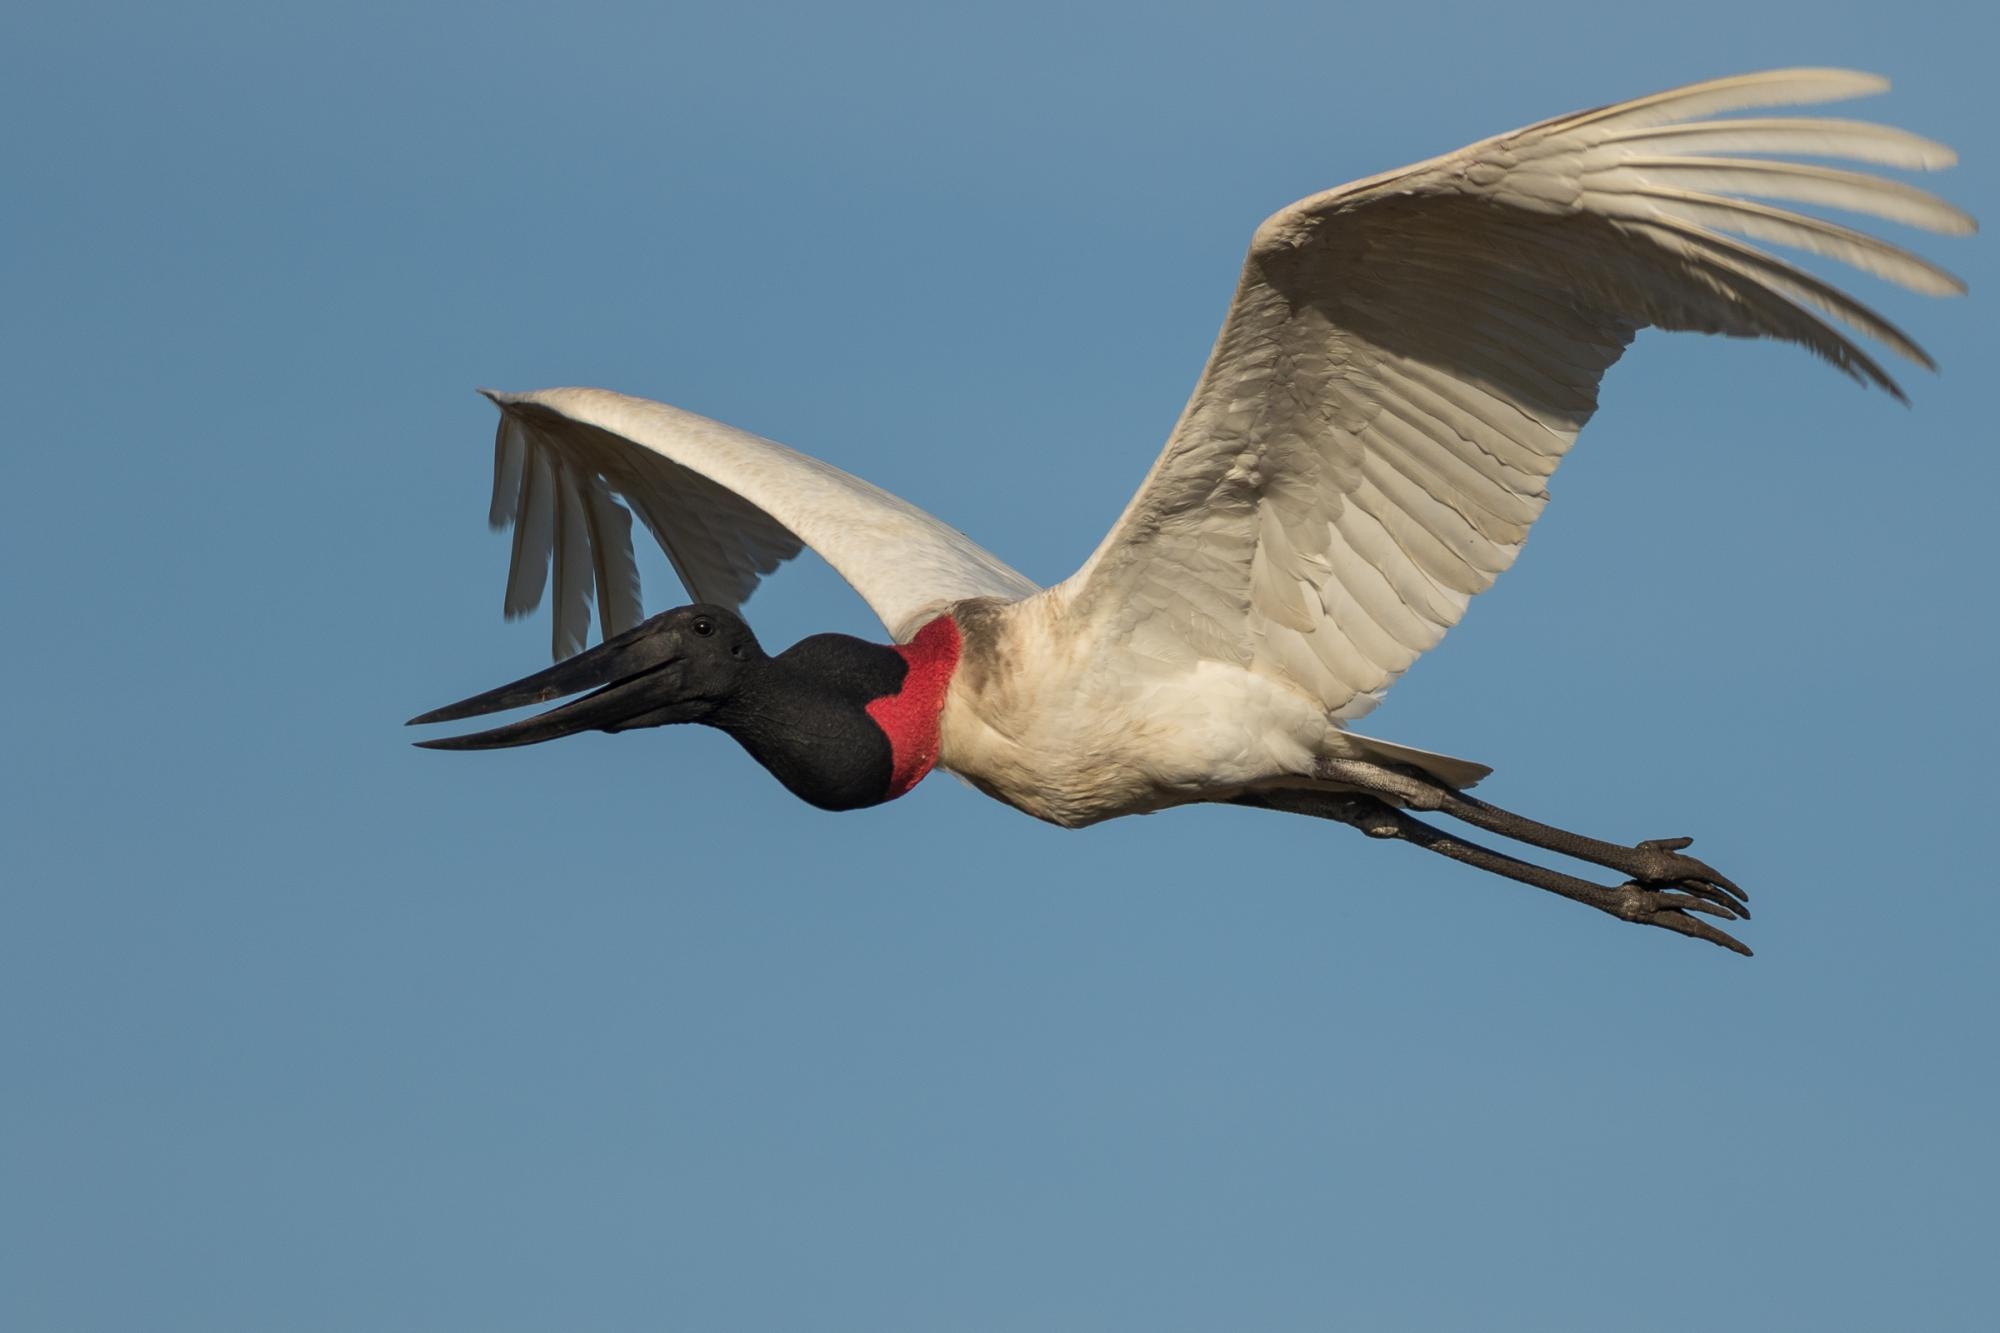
{"x":1830,"y":187}
{"x":619,"y":603}
{"x":569,"y":626}
{"x":1802,"y":136}
{"x":509,"y":455}
{"x":1784,"y":227}
{"x":1789,"y":280}
{"x":651,"y":504}
{"x":1740,"y":92}
{"x":534,"y":520}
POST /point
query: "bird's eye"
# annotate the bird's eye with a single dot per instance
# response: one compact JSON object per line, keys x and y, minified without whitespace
{"x":704,"y":626}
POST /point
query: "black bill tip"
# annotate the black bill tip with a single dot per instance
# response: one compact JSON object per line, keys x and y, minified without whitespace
{"x":563,"y":678}
{"x":631,"y":675}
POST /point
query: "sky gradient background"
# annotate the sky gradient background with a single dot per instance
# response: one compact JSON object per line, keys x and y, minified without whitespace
{"x":303,"y":1029}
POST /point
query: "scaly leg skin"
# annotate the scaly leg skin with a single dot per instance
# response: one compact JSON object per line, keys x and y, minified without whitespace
{"x":1655,"y":863}
{"x":1647,"y":904}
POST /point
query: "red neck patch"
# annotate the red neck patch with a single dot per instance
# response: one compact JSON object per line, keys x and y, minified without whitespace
{"x":909,"y":717}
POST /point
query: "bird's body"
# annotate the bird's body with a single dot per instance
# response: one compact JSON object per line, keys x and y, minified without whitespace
{"x":1074,"y":728}
{"x":1088,"y":732}
{"x":1406,"y":362}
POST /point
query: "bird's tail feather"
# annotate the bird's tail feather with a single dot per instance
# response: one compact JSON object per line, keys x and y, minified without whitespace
{"x":1456,"y":773}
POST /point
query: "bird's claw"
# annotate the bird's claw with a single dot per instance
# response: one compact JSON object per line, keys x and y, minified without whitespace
{"x":1660,"y":864}
{"x":1651,"y":905}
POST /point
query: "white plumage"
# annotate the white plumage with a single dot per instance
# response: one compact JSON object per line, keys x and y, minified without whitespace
{"x":1406,"y":361}
{"x":726,"y":506}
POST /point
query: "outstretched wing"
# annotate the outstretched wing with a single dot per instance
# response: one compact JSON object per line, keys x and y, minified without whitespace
{"x":726,"y":506}
{"x":1409,"y":357}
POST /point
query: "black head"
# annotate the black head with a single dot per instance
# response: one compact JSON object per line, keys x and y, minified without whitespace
{"x":680,"y":666}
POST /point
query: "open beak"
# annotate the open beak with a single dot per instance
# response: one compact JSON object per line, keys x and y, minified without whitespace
{"x":639,"y":675}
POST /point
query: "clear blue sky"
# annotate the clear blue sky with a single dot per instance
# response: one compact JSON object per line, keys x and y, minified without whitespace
{"x":303,"y":1029}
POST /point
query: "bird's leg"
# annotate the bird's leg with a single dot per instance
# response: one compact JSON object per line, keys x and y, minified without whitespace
{"x":1657,"y":862}
{"x":1648,"y":905}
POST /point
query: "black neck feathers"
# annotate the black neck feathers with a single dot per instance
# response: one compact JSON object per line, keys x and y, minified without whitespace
{"x":804,"y":716}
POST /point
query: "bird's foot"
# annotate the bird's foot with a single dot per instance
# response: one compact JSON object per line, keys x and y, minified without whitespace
{"x":1667,"y":890}
{"x":1658,"y":863}
{"x":1673,"y":908}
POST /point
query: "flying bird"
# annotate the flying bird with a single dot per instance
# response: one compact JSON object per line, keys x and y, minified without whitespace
{"x":1406,"y":361}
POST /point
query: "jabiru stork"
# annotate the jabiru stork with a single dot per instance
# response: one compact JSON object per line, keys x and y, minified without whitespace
{"x":1406,"y":361}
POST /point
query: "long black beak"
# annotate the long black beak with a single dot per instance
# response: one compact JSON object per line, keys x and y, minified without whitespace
{"x":639,"y":672}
